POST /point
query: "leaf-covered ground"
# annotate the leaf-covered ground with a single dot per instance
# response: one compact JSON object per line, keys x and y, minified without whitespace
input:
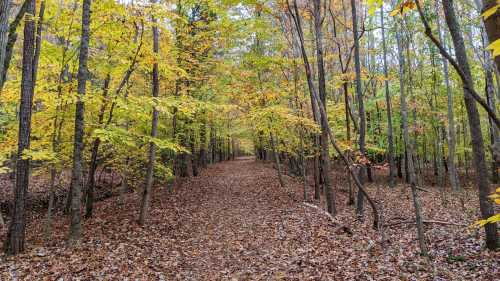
{"x":234,"y":222}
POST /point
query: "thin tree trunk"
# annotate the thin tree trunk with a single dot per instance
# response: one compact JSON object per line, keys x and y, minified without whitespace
{"x":451,"y":136}
{"x":11,"y":40}
{"x":14,"y":243}
{"x":4,"y":30}
{"x":492,"y":25}
{"x":390,"y":140}
{"x":277,"y":160}
{"x":485,"y":204}
{"x":361,"y":107}
{"x":325,"y":154}
{"x":408,"y":148}
{"x":318,"y":104}
{"x":75,"y":231}
{"x":146,"y":196}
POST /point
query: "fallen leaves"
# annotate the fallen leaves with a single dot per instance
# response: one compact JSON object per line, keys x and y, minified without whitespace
{"x":234,"y":222}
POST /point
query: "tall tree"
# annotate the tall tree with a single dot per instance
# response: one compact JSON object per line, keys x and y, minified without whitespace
{"x":325,"y":152}
{"x":146,"y":196}
{"x":492,"y":24}
{"x":14,"y":243}
{"x":390,"y":138}
{"x":361,"y":106}
{"x":75,"y":230}
{"x":482,"y":182}
{"x":4,"y":31}
{"x":451,"y":134}
{"x":408,"y":144}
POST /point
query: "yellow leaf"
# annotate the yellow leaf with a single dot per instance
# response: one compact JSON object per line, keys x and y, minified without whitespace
{"x":491,"y":11}
{"x":494,"y":47}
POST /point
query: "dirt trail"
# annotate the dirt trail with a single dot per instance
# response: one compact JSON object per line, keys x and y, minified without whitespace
{"x":234,"y":222}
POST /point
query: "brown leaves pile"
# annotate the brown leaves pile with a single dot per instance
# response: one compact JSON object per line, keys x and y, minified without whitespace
{"x":234,"y":222}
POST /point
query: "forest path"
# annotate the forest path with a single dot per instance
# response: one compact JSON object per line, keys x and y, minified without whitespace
{"x":232,"y":222}
{"x":235,"y":222}
{"x":244,"y":226}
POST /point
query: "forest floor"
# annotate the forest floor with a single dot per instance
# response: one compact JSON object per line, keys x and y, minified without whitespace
{"x":234,"y":222}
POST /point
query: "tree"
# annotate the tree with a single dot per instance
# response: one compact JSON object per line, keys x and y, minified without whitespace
{"x":492,"y":24}
{"x":146,"y":196}
{"x":486,"y":206}
{"x":4,"y":31}
{"x":14,"y":244}
{"x":75,"y":231}
{"x":390,"y":139}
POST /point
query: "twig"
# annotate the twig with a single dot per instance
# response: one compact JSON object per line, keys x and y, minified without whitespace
{"x":425,"y":221}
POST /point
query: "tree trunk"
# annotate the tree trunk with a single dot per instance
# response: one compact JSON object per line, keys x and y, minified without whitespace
{"x":451,"y":136}
{"x":390,"y":140}
{"x":77,"y":173}
{"x":485,"y":204}
{"x":325,"y":154}
{"x":4,"y":30}
{"x":11,"y":40}
{"x":361,"y":107}
{"x":203,"y":143}
{"x":277,"y":160}
{"x":409,"y":148}
{"x":492,"y":25}
{"x":322,"y":111}
{"x":14,"y":243}
{"x":146,"y":195}
{"x":94,"y":153}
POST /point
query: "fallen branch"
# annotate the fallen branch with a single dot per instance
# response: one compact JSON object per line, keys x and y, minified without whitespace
{"x":425,"y":221}
{"x":321,"y":210}
{"x":337,"y":230}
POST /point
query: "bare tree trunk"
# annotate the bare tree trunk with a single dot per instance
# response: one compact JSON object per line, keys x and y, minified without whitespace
{"x":361,"y":107}
{"x":325,"y":154}
{"x":48,"y":221}
{"x":451,"y":136}
{"x":277,"y":160}
{"x":14,"y":243}
{"x":409,"y":148}
{"x":390,"y":138}
{"x":11,"y":40}
{"x":2,"y":222}
{"x":318,"y":104}
{"x":489,"y":69}
{"x":4,"y":30}
{"x":486,"y":206}
{"x":203,"y":142}
{"x":75,"y":231}
{"x":492,"y":25}
{"x":146,"y":196}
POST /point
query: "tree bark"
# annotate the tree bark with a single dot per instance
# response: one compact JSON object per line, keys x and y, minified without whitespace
{"x":14,"y":243}
{"x":492,"y":25}
{"x":146,"y":196}
{"x":485,"y":204}
{"x":451,"y":136}
{"x":409,"y":147}
{"x":390,"y":138}
{"x":361,"y":107}
{"x":318,"y":104}
{"x":75,"y":231}
{"x":4,"y":30}
{"x":277,"y":160}
{"x":325,"y":154}
{"x":11,"y":40}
